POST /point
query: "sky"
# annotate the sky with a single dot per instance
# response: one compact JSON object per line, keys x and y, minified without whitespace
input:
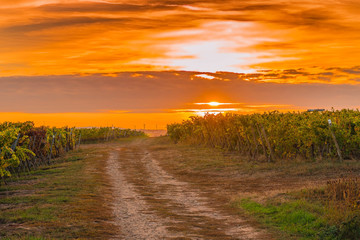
{"x":136,"y":63}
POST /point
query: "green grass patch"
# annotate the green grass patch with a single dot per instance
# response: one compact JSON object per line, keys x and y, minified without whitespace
{"x":292,"y":217}
{"x":299,"y":219}
{"x":36,"y":213}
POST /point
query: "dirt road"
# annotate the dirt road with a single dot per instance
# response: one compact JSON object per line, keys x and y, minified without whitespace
{"x":150,"y":203}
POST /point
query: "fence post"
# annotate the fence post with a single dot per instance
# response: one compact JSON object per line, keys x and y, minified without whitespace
{"x":262,"y":143}
{"x":71,"y":146}
{"x":255,"y":142}
{"x":79,"y":142}
{"x":272,"y":157}
{"x":52,"y":144}
{"x":335,"y":141}
{"x":33,"y":158}
{"x":13,"y":146}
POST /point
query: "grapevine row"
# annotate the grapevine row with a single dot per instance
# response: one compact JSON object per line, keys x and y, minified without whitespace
{"x":275,"y":135}
{"x":24,"y":147}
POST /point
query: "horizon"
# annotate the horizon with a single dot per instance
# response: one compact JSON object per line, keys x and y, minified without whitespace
{"x":115,"y":122}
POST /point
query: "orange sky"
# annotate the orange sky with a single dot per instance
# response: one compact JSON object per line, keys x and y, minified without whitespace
{"x":145,"y":60}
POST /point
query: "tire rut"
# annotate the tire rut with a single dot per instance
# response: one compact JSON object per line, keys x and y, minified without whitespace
{"x":150,"y":203}
{"x":129,"y":208}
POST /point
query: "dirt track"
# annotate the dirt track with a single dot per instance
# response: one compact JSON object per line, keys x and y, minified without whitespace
{"x":150,"y":203}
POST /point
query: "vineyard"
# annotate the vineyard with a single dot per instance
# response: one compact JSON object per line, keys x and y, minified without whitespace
{"x":24,"y":147}
{"x":276,"y":136}
{"x":90,"y":135}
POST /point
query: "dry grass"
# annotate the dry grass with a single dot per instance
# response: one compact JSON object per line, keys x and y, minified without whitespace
{"x":344,"y":192}
{"x":62,"y":201}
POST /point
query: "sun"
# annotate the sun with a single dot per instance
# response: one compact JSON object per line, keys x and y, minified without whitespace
{"x":214,"y":104}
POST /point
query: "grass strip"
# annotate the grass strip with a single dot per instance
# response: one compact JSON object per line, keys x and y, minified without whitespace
{"x":299,"y":219}
{"x":59,"y":201}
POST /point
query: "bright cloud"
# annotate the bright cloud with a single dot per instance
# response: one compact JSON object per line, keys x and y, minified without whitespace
{"x":44,"y":37}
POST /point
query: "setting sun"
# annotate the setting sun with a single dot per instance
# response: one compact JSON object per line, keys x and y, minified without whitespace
{"x":214,"y":104}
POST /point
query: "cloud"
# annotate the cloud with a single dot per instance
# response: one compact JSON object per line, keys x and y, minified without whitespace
{"x":354,"y":70}
{"x":137,"y":92}
{"x":77,"y":37}
{"x":43,"y":24}
{"x":94,"y":7}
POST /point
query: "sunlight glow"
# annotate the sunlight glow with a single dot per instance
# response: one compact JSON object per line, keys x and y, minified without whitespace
{"x":203,"y":112}
{"x":209,"y":56}
{"x":212,"y":46}
{"x":206,"y":76}
{"x":193,"y":8}
{"x":214,"y":104}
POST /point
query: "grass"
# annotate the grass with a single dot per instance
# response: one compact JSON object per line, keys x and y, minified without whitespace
{"x":200,"y":159}
{"x":301,"y":219}
{"x":38,"y":212}
{"x":60,"y":201}
{"x":296,"y":218}
{"x":273,"y":194}
{"x":330,"y":212}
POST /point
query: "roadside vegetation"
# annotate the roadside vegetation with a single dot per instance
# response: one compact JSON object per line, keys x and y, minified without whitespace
{"x":24,"y":147}
{"x":319,"y":213}
{"x":66,"y":199}
{"x":301,"y":169}
{"x":47,"y":187}
{"x":275,"y":136}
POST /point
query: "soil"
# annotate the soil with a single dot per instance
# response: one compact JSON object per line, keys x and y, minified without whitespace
{"x":150,"y":203}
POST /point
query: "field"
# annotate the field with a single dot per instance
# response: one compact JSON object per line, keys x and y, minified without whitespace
{"x":135,"y":187}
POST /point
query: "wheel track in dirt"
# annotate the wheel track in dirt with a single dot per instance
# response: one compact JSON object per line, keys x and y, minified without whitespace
{"x":150,"y":203}
{"x":129,"y":208}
